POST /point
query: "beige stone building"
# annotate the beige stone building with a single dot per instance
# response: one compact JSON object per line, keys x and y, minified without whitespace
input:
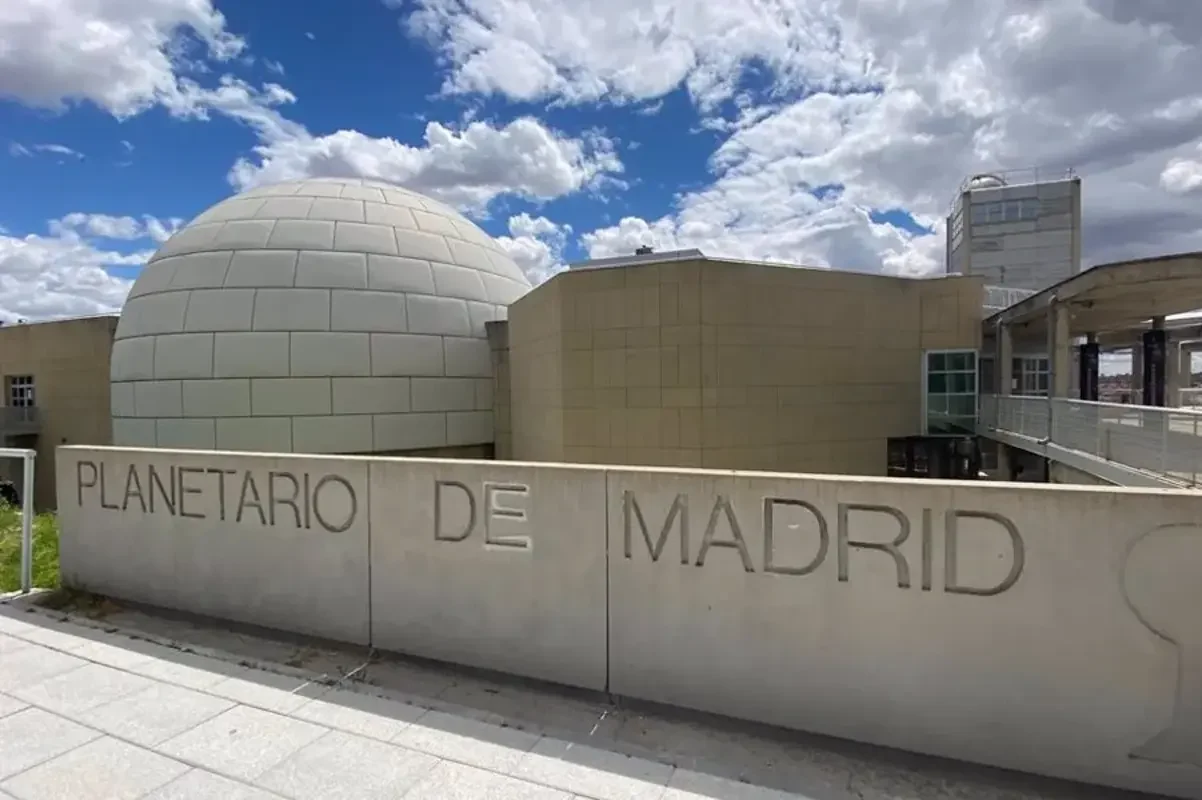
{"x":711,"y":363}
{"x":56,"y":391}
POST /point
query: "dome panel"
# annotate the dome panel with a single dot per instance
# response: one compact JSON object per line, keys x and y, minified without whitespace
{"x":297,"y":317}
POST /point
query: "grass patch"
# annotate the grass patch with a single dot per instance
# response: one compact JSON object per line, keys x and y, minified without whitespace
{"x":45,"y":550}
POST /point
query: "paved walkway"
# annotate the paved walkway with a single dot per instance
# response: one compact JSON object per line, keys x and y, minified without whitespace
{"x":137,"y":706}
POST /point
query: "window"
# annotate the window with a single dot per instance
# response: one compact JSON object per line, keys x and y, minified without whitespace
{"x":20,"y":391}
{"x":950,"y":396}
{"x":1031,"y":375}
{"x":1020,"y":210}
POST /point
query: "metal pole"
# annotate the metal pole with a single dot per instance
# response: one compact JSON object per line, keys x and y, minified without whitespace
{"x":27,"y":525}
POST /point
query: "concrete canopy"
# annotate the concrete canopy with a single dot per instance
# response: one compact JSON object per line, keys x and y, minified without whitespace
{"x":1111,"y":297}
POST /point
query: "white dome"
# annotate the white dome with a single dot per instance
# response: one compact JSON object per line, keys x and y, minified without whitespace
{"x":314,"y":316}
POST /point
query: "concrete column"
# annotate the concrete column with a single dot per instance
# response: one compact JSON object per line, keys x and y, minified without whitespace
{"x":1156,"y":363}
{"x":1088,"y":358}
{"x":1059,"y":351}
{"x":1004,"y":368}
{"x":1172,"y":373}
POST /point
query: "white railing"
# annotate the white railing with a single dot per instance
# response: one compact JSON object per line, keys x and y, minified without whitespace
{"x":28,"y":457}
{"x":1026,"y":416}
{"x":1163,"y":441}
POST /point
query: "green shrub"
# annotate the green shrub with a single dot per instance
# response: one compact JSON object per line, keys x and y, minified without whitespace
{"x":45,"y":550}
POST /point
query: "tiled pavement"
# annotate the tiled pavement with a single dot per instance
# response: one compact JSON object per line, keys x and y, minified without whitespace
{"x":185,"y":711}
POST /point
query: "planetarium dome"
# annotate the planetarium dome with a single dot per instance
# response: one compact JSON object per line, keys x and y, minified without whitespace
{"x":314,"y":316}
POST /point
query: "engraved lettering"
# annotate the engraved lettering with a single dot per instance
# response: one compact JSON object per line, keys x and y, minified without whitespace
{"x":353,"y":502}
{"x":273,"y":499}
{"x":928,"y":550}
{"x":680,"y":507}
{"x":249,"y":497}
{"x":221,"y":473}
{"x":770,"y":565}
{"x":845,"y":542}
{"x":133,"y":488}
{"x":104,"y":503}
{"x":185,"y":490}
{"x":79,"y":480}
{"x":308,"y":505}
{"x":493,"y":510}
{"x":735,"y":542}
{"x":156,"y":482}
{"x":951,"y":537}
{"x":439,"y":534}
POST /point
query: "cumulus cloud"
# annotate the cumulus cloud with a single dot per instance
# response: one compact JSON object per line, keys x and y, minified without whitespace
{"x":627,"y":50}
{"x":1182,"y":175}
{"x":466,"y":167}
{"x":536,"y":244}
{"x":869,"y":108}
{"x":104,"y":226}
{"x":48,"y":277}
{"x":122,"y":56}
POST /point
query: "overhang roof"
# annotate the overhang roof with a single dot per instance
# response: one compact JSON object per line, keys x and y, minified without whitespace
{"x":1112,"y":297}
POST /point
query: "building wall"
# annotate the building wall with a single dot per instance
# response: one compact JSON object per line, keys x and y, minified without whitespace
{"x":498,"y":344}
{"x":1025,"y":236}
{"x":536,"y":375}
{"x":69,"y":362}
{"x":728,"y":365}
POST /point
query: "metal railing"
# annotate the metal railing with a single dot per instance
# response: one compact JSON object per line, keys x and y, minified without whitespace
{"x":1162,"y":441}
{"x":28,"y":457}
{"x":1025,"y":416}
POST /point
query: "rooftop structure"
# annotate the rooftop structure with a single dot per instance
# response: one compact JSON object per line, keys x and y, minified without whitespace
{"x":1019,"y":229}
{"x":323,"y":315}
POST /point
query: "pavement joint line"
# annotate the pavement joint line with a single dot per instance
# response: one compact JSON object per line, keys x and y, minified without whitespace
{"x":292,"y":672}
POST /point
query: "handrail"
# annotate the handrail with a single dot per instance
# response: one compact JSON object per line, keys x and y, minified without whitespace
{"x":1156,"y":440}
{"x":26,"y":513}
{"x":1135,"y":407}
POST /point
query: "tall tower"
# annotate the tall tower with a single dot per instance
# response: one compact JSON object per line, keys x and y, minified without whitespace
{"x":1021,"y":230}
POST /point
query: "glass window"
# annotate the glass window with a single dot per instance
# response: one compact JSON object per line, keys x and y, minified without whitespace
{"x":20,"y":391}
{"x":950,"y":402}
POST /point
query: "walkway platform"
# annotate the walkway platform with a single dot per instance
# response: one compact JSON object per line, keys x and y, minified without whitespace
{"x":110,"y":703}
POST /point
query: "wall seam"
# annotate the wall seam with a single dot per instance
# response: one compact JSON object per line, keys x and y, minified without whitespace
{"x":608,"y":607}
{"x":371,"y":624}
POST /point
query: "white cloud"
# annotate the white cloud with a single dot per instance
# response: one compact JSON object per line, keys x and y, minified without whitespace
{"x":18,"y":150}
{"x":466,"y":166}
{"x":898,"y":111}
{"x":47,"y":277}
{"x":1182,"y":175}
{"x":625,"y":50}
{"x":536,"y":244}
{"x":104,"y":226}
{"x":122,"y":56}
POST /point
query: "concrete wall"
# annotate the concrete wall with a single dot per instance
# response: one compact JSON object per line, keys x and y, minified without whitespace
{"x":730,"y":365}
{"x":1048,"y":629}
{"x":69,"y":362}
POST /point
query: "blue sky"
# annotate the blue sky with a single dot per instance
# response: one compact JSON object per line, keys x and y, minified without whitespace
{"x":820,"y":134}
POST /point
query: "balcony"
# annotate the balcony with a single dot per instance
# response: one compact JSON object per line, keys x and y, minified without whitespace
{"x":19,"y":421}
{"x":1161,"y":443}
